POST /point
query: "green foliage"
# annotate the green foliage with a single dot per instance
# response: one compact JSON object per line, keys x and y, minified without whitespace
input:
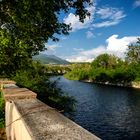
{"x":34,"y":22}
{"x":133,"y":54}
{"x":106,"y":68}
{"x":135,"y":70}
{"x":2,"y":111}
{"x":13,"y":54}
{"x":79,"y":72}
{"x":35,"y":79}
{"x":105,"y":61}
{"x":57,"y":69}
{"x":25,"y":27}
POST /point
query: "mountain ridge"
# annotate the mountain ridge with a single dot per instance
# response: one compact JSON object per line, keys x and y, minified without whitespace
{"x":50,"y":59}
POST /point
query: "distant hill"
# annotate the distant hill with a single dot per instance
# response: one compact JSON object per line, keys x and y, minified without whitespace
{"x":50,"y":59}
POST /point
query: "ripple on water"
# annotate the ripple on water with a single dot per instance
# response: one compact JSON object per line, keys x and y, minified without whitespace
{"x":112,"y":113}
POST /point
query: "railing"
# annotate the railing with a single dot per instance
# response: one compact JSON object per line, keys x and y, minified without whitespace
{"x":27,"y":118}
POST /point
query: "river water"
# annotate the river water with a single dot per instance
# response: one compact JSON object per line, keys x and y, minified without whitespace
{"x":111,"y":113}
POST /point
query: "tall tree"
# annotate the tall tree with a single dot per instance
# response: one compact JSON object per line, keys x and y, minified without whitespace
{"x":13,"y":54}
{"x":35,"y":21}
{"x":105,"y":61}
{"x":26,"y":25}
{"x":133,"y":53}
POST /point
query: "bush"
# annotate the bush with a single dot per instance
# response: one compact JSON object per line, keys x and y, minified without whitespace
{"x":2,"y":111}
{"x":36,"y":80}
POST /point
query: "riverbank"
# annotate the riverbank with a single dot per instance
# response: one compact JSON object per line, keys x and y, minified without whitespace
{"x":130,"y":84}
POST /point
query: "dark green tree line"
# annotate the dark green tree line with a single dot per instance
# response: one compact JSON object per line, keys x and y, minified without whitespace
{"x":109,"y":68}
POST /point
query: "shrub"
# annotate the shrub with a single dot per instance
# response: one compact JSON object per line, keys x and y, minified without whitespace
{"x":2,"y":111}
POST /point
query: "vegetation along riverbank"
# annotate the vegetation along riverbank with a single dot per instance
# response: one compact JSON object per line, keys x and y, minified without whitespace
{"x":111,"y":70}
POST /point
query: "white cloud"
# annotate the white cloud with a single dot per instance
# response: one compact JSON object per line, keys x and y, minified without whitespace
{"x":79,"y":59}
{"x":78,"y":49}
{"x":52,"y":47}
{"x":137,"y":3}
{"x":104,"y":12}
{"x":105,"y":24}
{"x":114,"y":45}
{"x":93,"y":52}
{"x":119,"y":46}
{"x":110,"y":16}
{"x":76,"y":24}
{"x":110,"y":13}
{"x":89,"y":34}
{"x":87,"y":55}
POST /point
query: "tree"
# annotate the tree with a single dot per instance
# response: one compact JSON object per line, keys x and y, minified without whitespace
{"x":36,"y":21}
{"x":26,"y":25}
{"x":13,"y":54}
{"x":133,"y":53}
{"x":105,"y":61}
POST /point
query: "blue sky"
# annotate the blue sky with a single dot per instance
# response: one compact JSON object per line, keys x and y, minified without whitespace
{"x":113,"y":25}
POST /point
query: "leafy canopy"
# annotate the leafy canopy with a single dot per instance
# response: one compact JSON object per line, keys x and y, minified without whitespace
{"x":105,"y":61}
{"x":35,"y":21}
{"x":26,"y":25}
{"x":133,"y":53}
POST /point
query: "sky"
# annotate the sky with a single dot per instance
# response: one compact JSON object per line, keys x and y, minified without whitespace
{"x":113,"y":25}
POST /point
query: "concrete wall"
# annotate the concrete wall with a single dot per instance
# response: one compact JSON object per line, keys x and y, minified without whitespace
{"x":15,"y":126}
{"x":27,"y":118}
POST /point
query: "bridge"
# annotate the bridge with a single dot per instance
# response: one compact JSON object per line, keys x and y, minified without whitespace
{"x":27,"y":118}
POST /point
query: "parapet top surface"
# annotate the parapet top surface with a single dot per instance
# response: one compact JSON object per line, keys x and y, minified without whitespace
{"x":45,"y":123}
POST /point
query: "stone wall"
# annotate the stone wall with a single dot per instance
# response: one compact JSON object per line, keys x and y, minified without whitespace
{"x":27,"y":118}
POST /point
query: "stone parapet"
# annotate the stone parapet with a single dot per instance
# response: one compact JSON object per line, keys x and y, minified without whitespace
{"x":45,"y":123}
{"x":6,"y":82}
{"x":16,"y":93}
{"x":27,"y":118}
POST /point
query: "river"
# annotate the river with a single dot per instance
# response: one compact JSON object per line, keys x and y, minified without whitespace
{"x":111,"y":113}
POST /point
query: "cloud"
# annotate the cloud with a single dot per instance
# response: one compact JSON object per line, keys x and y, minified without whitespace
{"x":137,"y":3}
{"x":93,"y":52}
{"x":79,"y":59}
{"x":89,"y":34}
{"x":119,"y":46}
{"x":104,"y":12}
{"x":114,"y":45}
{"x":109,"y":16}
{"x":76,"y":24}
{"x":105,"y":24}
{"x":52,"y":47}
{"x":78,"y":49}
{"x":86,"y":55}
